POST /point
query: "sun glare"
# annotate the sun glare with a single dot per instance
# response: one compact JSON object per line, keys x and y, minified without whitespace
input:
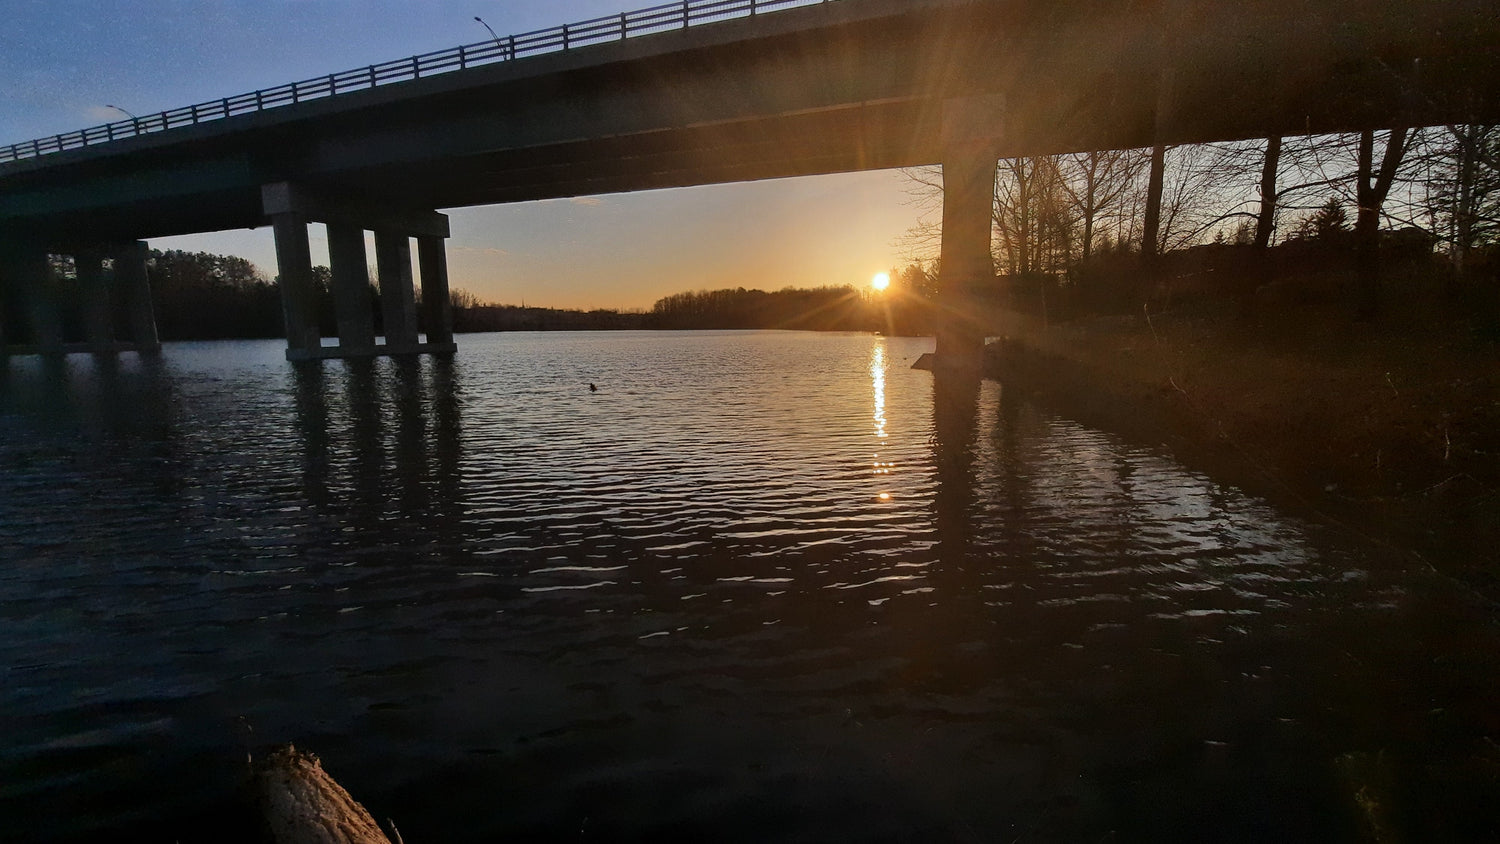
{"x":881,"y":281}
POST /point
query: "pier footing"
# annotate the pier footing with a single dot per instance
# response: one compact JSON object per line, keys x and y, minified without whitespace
{"x":377,"y":350}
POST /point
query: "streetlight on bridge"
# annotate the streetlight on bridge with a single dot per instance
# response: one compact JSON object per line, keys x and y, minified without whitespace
{"x":487,"y":26}
{"x":135,"y":122}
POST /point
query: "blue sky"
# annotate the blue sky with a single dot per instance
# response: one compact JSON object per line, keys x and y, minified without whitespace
{"x":65,"y":60}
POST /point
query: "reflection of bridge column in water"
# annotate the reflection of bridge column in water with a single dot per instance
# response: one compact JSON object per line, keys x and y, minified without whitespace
{"x":425,"y":484}
{"x":366,"y":429}
{"x":411,"y":429}
{"x":102,"y":398}
{"x":447,"y":446}
{"x":1014,"y":476}
{"x":311,"y":408}
{"x":955,"y":409}
{"x":930,"y":640}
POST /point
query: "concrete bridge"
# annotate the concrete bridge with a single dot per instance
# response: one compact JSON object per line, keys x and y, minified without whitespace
{"x":701,"y":92}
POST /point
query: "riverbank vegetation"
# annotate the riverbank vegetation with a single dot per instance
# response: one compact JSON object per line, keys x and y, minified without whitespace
{"x":1109,"y":231}
{"x":1317,"y":317}
{"x":829,"y":308}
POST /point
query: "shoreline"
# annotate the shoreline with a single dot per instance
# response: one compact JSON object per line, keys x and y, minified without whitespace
{"x":1383,"y":433}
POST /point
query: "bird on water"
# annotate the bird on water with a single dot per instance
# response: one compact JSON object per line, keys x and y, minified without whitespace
{"x":593,"y":389}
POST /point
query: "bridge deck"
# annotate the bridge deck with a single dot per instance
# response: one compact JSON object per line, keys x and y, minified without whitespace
{"x":820,"y":88}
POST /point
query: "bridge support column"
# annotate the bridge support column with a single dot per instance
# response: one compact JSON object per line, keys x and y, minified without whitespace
{"x":299,"y":306}
{"x":292,"y":206}
{"x":135,"y":289}
{"x":35,"y":289}
{"x":398,"y":303}
{"x":98,"y":317}
{"x":351,"y":288}
{"x":436,"y":307}
{"x":29,"y":285}
{"x":10,"y":298}
{"x":966,"y":271}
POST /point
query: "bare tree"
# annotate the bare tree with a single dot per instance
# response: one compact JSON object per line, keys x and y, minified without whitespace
{"x":922,"y":243}
{"x":1033,"y":219}
{"x":1371,"y":188}
{"x":1304,"y":170}
{"x":1463,"y":199}
{"x":1033,"y":225}
{"x":1098,"y":185}
{"x":1265,"y":221}
{"x":1151,"y":227}
{"x":1200,"y":180}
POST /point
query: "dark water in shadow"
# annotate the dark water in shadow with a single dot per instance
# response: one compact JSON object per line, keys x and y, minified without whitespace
{"x":760,"y":586}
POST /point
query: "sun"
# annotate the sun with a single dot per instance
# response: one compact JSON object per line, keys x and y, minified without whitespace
{"x":881,"y":281}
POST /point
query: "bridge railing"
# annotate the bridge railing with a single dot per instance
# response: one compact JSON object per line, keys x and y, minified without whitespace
{"x":655,"y":19}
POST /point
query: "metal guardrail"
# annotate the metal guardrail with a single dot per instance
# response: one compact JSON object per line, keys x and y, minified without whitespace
{"x":655,"y":19}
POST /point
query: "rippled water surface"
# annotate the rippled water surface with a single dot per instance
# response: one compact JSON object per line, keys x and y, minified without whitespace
{"x":759,"y":586}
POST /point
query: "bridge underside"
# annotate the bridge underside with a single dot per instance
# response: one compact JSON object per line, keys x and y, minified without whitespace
{"x":854,"y":85}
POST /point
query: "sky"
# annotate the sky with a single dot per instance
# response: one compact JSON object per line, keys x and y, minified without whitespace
{"x":66,"y":60}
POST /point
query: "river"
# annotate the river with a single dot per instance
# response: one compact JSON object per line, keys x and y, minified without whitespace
{"x":754,"y":586}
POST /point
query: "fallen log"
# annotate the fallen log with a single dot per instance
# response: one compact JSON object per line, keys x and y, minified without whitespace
{"x":301,"y":804}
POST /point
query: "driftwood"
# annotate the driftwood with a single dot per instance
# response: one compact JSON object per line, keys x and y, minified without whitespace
{"x":303,"y":805}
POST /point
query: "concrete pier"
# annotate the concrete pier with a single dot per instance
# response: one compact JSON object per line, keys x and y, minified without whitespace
{"x":134,"y":286}
{"x":437,"y":309}
{"x":31,"y":300}
{"x":398,"y":303}
{"x":351,"y":288}
{"x":293,"y":207}
{"x":15,"y":276}
{"x":42,"y":306}
{"x":93,"y":287}
{"x":966,"y":274}
{"x":299,"y":308}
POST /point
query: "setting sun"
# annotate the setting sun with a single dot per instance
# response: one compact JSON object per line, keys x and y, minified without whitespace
{"x":881,"y":281}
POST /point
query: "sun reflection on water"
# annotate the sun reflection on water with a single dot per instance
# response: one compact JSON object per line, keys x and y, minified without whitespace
{"x":877,"y":384}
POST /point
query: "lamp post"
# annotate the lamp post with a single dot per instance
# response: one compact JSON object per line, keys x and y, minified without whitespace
{"x":135,"y":122}
{"x":487,"y":26}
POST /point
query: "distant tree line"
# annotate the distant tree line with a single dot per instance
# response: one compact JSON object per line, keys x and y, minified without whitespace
{"x":196,"y":296}
{"x":817,"y":309}
{"x":203,"y":296}
{"x":472,"y":316}
{"x":840,"y":308}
